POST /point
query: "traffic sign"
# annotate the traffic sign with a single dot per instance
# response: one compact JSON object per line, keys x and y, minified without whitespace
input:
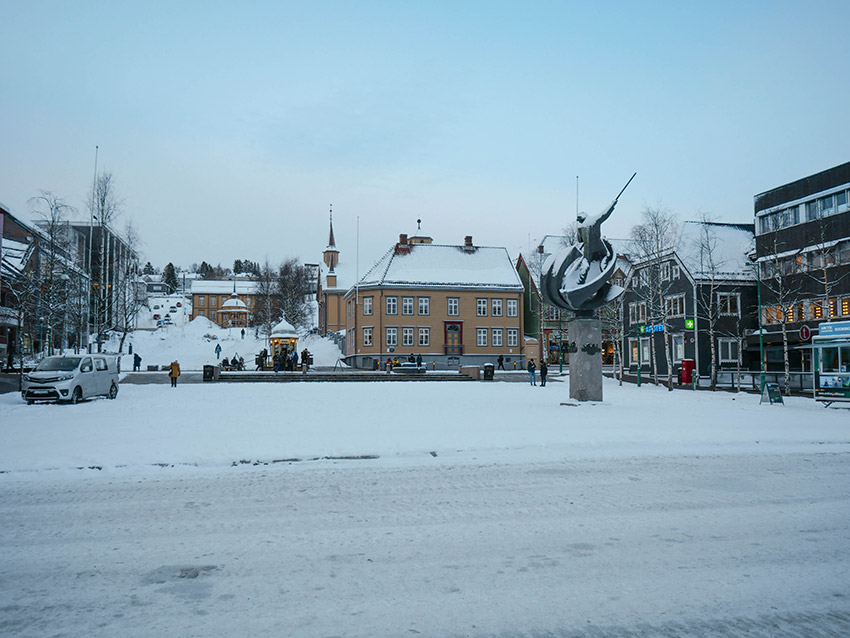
{"x":805,"y":333}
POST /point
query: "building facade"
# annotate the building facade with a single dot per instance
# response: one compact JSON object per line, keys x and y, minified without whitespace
{"x":452,"y":305}
{"x":230,"y":303}
{"x":803,"y":253}
{"x":700,"y":295}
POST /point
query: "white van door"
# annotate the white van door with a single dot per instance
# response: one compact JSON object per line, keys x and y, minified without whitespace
{"x":86,"y":379}
{"x":101,"y":375}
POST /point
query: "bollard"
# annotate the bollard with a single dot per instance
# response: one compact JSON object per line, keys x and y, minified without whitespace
{"x":638,"y":384}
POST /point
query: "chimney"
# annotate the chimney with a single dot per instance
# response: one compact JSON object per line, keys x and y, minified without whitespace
{"x":402,"y":247}
{"x":467,"y":244}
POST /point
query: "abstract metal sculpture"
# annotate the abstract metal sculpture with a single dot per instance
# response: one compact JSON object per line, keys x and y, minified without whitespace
{"x":577,"y":278}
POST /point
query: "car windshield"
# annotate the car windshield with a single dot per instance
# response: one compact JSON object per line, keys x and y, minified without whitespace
{"x":58,"y":364}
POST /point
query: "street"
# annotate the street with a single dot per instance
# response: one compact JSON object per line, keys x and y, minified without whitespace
{"x":734,"y":545}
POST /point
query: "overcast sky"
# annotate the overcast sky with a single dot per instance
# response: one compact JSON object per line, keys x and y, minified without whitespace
{"x":231,"y":127}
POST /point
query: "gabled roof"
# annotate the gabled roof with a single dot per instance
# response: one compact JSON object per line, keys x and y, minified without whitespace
{"x":439,"y":266}
{"x":732,"y":243}
{"x":223,"y":286}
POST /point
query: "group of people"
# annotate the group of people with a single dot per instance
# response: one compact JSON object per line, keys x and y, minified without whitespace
{"x":236,"y":363}
{"x":411,"y":358}
{"x":532,"y":372}
{"x":285,"y":360}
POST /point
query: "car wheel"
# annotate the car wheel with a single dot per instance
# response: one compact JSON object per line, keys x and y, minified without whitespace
{"x":76,"y":396}
{"x":30,"y":401}
{"x":113,"y":391}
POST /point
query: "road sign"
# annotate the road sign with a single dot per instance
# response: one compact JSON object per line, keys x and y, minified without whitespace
{"x":805,"y":333}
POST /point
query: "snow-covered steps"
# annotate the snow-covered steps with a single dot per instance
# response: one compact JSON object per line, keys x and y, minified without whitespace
{"x":346,"y":376}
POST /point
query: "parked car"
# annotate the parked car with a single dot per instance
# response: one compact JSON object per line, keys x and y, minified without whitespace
{"x":72,"y":378}
{"x":157,"y":317}
{"x":179,"y":305}
{"x":172,"y":309}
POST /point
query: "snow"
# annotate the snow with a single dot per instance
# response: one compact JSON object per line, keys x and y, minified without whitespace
{"x":445,"y":266}
{"x":192,"y":344}
{"x":495,"y":511}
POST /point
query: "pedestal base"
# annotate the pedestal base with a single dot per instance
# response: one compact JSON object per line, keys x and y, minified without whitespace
{"x":586,"y":359}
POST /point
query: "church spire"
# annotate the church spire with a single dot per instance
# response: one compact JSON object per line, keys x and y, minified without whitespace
{"x":331,"y":254}
{"x":331,"y":241}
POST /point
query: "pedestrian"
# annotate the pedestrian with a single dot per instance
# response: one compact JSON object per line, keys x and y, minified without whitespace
{"x":411,"y":358}
{"x":217,"y":350}
{"x":531,"y":367}
{"x":174,"y":372}
{"x":276,"y":361}
{"x":294,"y":358}
{"x":243,"y":333}
{"x":241,"y":363}
{"x":501,"y":362}
{"x":225,"y":363}
{"x":137,"y":362}
{"x":305,"y":360}
{"x":389,"y":365}
{"x":544,"y":370}
{"x":418,"y":360}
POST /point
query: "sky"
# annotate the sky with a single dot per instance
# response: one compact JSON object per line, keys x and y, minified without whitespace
{"x":231,"y":128}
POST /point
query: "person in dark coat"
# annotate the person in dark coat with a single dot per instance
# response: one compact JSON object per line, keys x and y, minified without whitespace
{"x":501,"y":362}
{"x":418,"y":360}
{"x":305,"y":360}
{"x":544,"y":370}
{"x":137,"y":362}
{"x":532,"y":376}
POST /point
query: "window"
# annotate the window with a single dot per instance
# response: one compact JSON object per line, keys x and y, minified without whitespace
{"x":512,"y":308}
{"x":496,"y":307}
{"x":634,"y":351}
{"x":367,"y":336}
{"x":99,"y":364}
{"x":637,"y":312}
{"x":202,"y":313}
{"x":424,"y":337}
{"x":497,"y":337}
{"x":676,"y":271}
{"x":675,"y":306}
{"x":665,"y":271}
{"x":213,"y":301}
{"x":727,"y":304}
{"x":845,"y":306}
{"x":833,"y":307}
{"x":728,"y":349}
{"x":645,"y":353}
{"x":678,"y":347}
{"x":829,"y":360}
{"x":481,"y":307}
{"x":392,"y":337}
{"x":367,"y":305}
{"x":481,"y":337}
{"x":424,"y":305}
{"x":212,"y":315}
{"x":392,"y":305}
{"x":202,"y":300}
{"x":816,"y":310}
{"x":407,"y":336}
{"x":513,"y":337}
{"x":454,"y":306}
{"x":407,"y":305}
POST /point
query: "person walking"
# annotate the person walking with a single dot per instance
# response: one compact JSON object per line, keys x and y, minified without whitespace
{"x":137,"y":362}
{"x":501,"y":362}
{"x":294,"y":358}
{"x":389,"y":365}
{"x":532,"y":367}
{"x":544,"y":370}
{"x":418,"y":360}
{"x":305,"y":360}
{"x":276,"y":362}
{"x":174,"y":372}
{"x":218,"y":351}
{"x":243,"y":333}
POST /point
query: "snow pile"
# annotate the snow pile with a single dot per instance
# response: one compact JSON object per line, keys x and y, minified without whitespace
{"x":193,"y":345}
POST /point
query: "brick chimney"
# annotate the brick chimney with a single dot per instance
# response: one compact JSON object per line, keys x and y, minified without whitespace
{"x":402,"y":247}
{"x":467,"y":244}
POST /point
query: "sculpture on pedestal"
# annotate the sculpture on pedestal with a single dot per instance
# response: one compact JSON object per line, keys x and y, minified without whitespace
{"x":578,"y":279}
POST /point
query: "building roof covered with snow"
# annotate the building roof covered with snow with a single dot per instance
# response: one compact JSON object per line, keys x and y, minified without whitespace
{"x":425,"y":265}
{"x":224,"y":286}
{"x":718,"y":248}
{"x":283,"y":330}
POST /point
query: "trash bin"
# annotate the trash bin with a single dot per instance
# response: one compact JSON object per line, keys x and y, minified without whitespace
{"x":209,"y":373}
{"x":489,"y":370}
{"x":687,"y":370}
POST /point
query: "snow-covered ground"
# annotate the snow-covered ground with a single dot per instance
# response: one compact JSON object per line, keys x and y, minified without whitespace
{"x":484,"y":509}
{"x":192,"y":343}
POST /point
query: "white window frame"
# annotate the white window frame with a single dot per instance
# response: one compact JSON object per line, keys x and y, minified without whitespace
{"x":407,"y":305}
{"x":496,"y":306}
{"x":513,"y":337}
{"x":424,"y":306}
{"x":677,"y":272}
{"x":367,"y":336}
{"x":367,"y":305}
{"x":645,"y":351}
{"x":481,"y":307}
{"x":481,"y":337}
{"x":407,"y":337}
{"x":496,"y":337}
{"x":729,"y":295}
{"x":672,"y":301}
{"x":665,"y":271}
{"x":512,"y":309}
{"x":678,"y":346}
{"x":391,"y":337}
{"x":634,"y":351}
{"x":424,"y":337}
{"x":726,"y":343}
{"x":453,"y":305}
{"x":391,"y":305}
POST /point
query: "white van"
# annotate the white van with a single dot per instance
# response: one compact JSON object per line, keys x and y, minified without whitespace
{"x":72,"y":378}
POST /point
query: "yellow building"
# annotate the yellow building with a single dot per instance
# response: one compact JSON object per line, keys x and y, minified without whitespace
{"x":332,"y":289}
{"x":229,"y":303}
{"x":450,"y":304}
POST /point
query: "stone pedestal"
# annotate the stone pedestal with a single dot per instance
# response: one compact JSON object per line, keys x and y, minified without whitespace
{"x":585,"y":359}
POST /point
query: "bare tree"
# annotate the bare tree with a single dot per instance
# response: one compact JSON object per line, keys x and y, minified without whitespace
{"x":294,"y":292}
{"x":128,"y":297}
{"x":710,"y":266}
{"x":106,"y":206}
{"x":267,"y":307}
{"x":781,"y":276}
{"x":54,"y":263}
{"x":653,"y":240}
